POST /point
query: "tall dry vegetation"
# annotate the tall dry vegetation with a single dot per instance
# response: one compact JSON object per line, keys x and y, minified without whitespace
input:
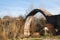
{"x":11,"y":28}
{"x":37,"y":26}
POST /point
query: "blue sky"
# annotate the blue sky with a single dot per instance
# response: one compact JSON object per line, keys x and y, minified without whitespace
{"x":19,"y":7}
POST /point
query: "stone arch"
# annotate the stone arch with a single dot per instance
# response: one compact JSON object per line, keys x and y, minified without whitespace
{"x":42,"y":11}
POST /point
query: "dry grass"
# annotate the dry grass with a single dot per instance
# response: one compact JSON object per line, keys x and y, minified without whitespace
{"x":13,"y":29}
{"x":41,"y":38}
